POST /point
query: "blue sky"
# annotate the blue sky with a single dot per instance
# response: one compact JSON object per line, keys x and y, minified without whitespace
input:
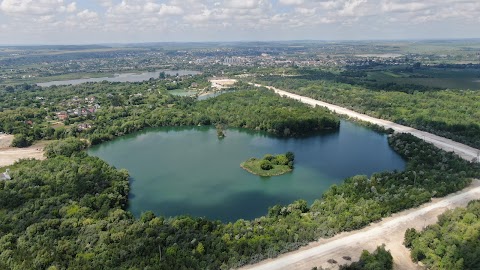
{"x":107,"y":21}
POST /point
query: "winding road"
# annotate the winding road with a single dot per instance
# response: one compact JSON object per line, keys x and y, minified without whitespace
{"x":347,"y":246}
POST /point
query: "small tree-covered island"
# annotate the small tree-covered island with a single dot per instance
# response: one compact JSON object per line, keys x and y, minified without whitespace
{"x":270,"y":165}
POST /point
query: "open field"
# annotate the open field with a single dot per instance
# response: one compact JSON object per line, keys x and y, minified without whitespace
{"x":222,"y":83}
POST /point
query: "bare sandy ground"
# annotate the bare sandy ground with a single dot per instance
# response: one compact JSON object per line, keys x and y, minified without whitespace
{"x":8,"y":155}
{"x":389,"y":231}
{"x":222,"y":83}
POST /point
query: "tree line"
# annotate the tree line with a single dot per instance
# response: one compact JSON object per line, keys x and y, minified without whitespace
{"x":70,"y":211}
{"x":454,"y":114}
{"x":129,"y":107}
{"x":452,"y":243}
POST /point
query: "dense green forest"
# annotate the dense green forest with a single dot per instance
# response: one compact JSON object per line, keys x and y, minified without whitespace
{"x":453,"y":114}
{"x":69,"y":211}
{"x":451,"y":244}
{"x":29,"y":112}
{"x":380,"y":259}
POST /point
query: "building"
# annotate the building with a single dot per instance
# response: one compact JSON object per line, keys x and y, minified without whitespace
{"x":84,"y":126}
{"x":62,"y":116}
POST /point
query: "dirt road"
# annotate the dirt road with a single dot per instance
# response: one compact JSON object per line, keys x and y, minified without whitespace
{"x":389,"y":231}
{"x":464,"y":151}
{"x":8,"y":155}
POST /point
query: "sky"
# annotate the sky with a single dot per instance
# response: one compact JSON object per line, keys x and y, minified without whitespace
{"x":137,"y":21}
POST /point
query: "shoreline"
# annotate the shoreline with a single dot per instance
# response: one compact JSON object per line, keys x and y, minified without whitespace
{"x":389,"y":230}
{"x":250,"y":171}
{"x":464,"y":151}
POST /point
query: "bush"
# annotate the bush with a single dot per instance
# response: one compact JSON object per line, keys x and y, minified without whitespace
{"x":290,"y":156}
{"x":281,"y":160}
{"x":410,"y":235}
{"x":266,"y":165}
{"x":379,"y":259}
{"x":269,"y":157}
{"x":65,"y":147}
{"x":21,"y":140}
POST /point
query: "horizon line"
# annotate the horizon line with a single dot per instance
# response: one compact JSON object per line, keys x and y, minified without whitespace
{"x":236,"y":41}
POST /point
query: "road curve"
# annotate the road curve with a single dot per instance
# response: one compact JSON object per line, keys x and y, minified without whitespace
{"x":389,"y":231}
{"x":464,"y":151}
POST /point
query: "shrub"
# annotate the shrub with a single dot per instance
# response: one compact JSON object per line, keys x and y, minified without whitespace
{"x":268,"y":157}
{"x":290,"y":156}
{"x":266,"y":165}
{"x":21,"y":140}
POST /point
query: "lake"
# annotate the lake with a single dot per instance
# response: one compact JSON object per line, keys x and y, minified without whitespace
{"x":188,"y":170}
{"x":123,"y":77}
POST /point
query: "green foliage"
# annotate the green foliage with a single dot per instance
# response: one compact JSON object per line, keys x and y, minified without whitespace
{"x":65,"y":147}
{"x":453,"y":243}
{"x":454,"y":114}
{"x":270,"y":165}
{"x":129,"y":107}
{"x":70,"y":212}
{"x":380,"y":259}
{"x":290,"y":156}
{"x":261,"y":109}
{"x":220,"y":131}
{"x":200,"y":249}
{"x":21,"y":140}
{"x":266,"y":165}
{"x":410,"y":235}
{"x":281,"y":160}
{"x":268,"y":157}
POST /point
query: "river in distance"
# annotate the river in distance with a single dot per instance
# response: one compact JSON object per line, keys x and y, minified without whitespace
{"x":189,"y":171}
{"x":123,"y":77}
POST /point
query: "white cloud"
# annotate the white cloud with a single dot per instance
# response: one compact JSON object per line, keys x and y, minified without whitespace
{"x":105,"y":3}
{"x":242,"y":4}
{"x":46,"y":19}
{"x":87,"y":15}
{"x":305,"y":11}
{"x":403,"y":7}
{"x":329,"y":4}
{"x":225,"y":19}
{"x":199,"y":17}
{"x":350,"y":7}
{"x":170,"y":10}
{"x":151,"y":7}
{"x":291,"y":2}
{"x":33,"y":7}
{"x":72,"y":7}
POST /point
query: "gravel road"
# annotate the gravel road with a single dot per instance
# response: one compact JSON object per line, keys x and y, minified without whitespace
{"x":389,"y":231}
